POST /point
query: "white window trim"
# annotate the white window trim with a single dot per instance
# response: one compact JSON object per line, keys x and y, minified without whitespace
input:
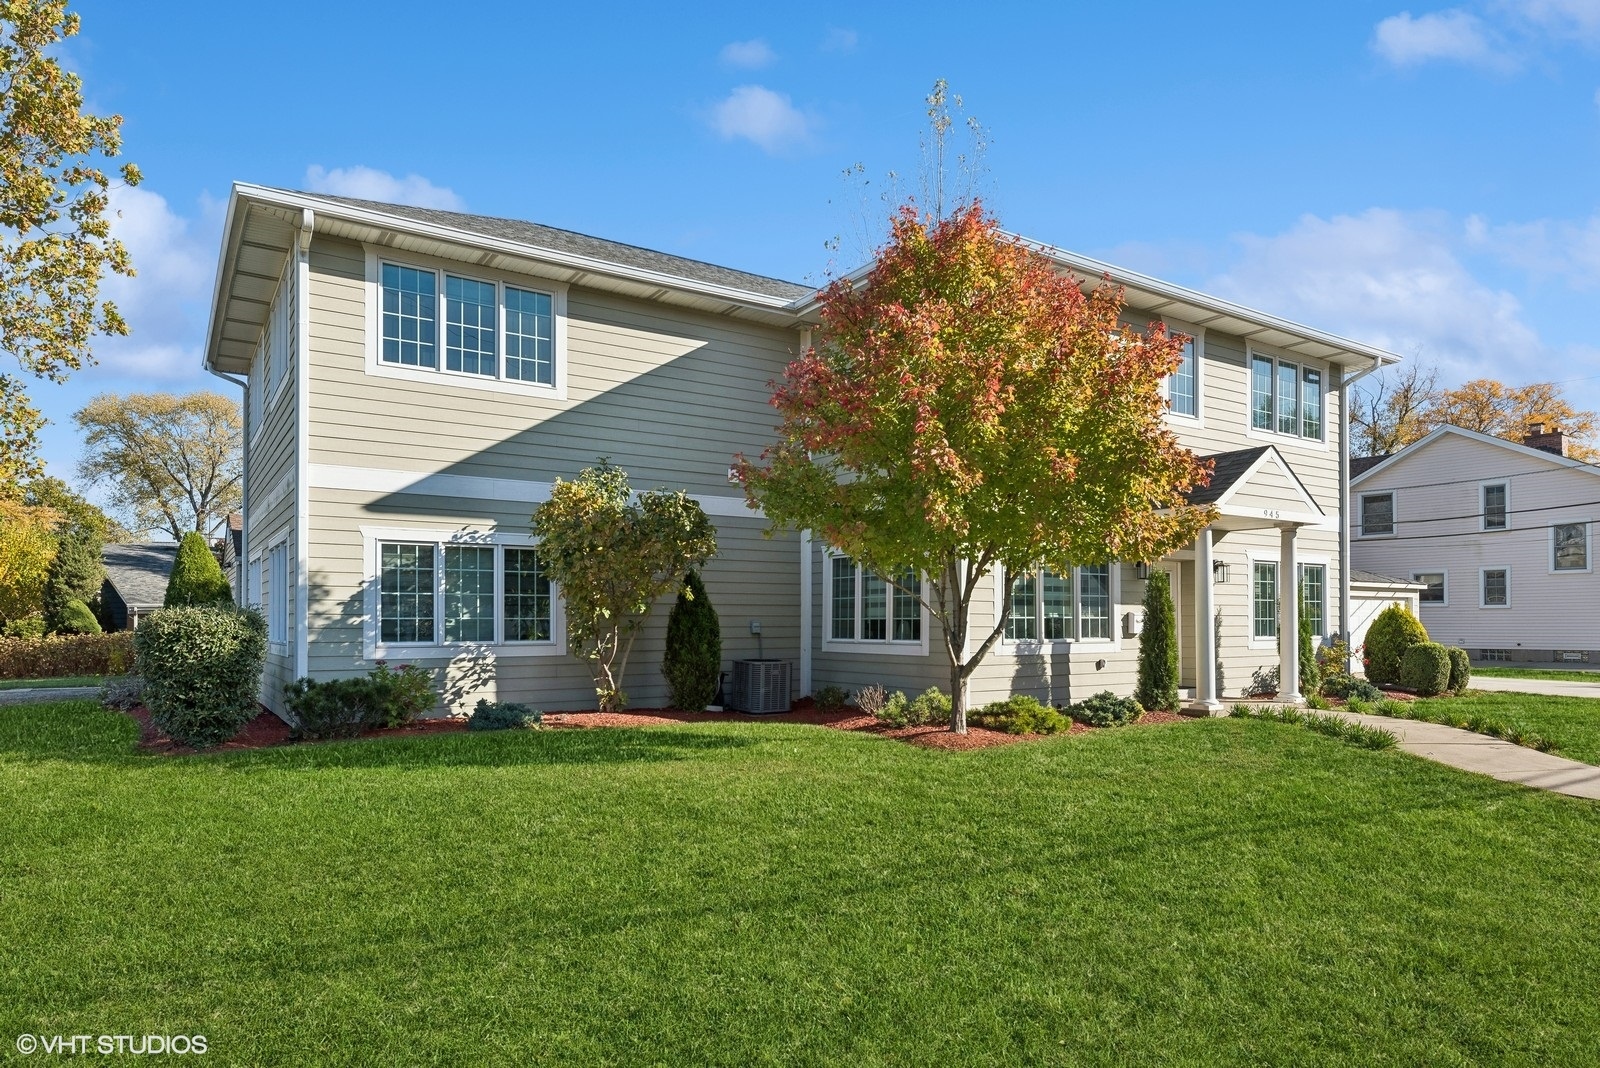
{"x":279,"y":314}
{"x":1326,"y":563}
{"x":374,"y":649}
{"x":1483,"y":508}
{"x":1252,"y":558}
{"x":1482,"y":571}
{"x":1444,"y":582}
{"x":439,"y":376}
{"x":1274,"y":435}
{"x":889,"y":646}
{"x":1175,"y":326}
{"x":1588,"y":548}
{"x":1008,"y":647}
{"x":1394,"y":514}
{"x":261,"y":560}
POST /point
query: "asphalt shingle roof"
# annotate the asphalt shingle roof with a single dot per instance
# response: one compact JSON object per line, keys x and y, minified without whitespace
{"x":1359,"y":464}
{"x":1229,"y":468}
{"x":138,"y":571}
{"x":548,"y":237}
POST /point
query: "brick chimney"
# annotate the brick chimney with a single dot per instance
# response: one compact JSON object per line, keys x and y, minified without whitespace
{"x":1546,"y":439}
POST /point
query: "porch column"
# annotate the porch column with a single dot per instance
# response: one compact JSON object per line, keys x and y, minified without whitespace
{"x":1289,"y":613}
{"x":1205,"y":637}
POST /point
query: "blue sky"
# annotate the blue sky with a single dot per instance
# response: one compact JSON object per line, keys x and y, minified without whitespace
{"x":1422,"y":178}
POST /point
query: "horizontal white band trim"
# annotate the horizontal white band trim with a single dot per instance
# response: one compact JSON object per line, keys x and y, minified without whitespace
{"x":476,"y":487}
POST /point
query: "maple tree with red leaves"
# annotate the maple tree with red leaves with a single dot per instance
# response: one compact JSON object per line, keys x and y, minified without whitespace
{"x":971,"y":407}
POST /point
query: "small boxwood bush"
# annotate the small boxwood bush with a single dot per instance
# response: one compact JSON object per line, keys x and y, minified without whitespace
{"x":1106,"y":709}
{"x":62,"y":655}
{"x":930,"y":706}
{"x":1425,"y":669}
{"x":503,"y":716}
{"x":1021,"y":714}
{"x":201,"y":667}
{"x":1460,"y":668}
{"x":1391,"y":634}
{"x":1348,"y":687}
{"x":830,"y":698}
{"x":343,"y":708}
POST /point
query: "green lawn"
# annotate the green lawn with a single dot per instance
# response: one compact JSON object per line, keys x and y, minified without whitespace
{"x":1226,"y":892}
{"x":50,"y":684}
{"x":1537,"y":673}
{"x":1573,"y":723}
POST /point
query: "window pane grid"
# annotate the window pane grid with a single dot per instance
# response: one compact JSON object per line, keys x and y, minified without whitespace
{"x":1314,"y":592}
{"x":874,"y":608}
{"x":1261,"y":393}
{"x":410,"y":317}
{"x":843,"y":607}
{"x":530,"y":336}
{"x":527,"y":597}
{"x":1311,"y":404}
{"x":1181,"y":386}
{"x":1057,"y":605}
{"x":1023,"y":626}
{"x":1494,"y":507}
{"x":469,"y":333}
{"x":1496,"y":587}
{"x":1264,"y":612}
{"x":468,"y":593}
{"x":405,"y":592}
{"x":1288,"y":394}
{"x":908,"y":609}
{"x":1094,"y":601}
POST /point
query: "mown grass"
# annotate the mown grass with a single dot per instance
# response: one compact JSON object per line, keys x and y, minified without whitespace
{"x":1537,"y":673}
{"x":1571,"y":723}
{"x":51,"y":684}
{"x":1218,"y":893}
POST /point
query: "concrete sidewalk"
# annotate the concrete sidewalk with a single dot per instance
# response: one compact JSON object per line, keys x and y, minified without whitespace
{"x":45,"y":693}
{"x":1548,"y":687}
{"x":1486,"y":756}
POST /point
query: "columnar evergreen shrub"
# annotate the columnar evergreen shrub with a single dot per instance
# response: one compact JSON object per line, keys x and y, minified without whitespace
{"x":196,"y":577}
{"x":1460,"y":668}
{"x":201,"y":667}
{"x":1158,"y":646}
{"x":693,"y":661}
{"x":75,"y":575}
{"x":1310,"y":670}
{"x":1391,"y":634}
{"x":1425,"y":669}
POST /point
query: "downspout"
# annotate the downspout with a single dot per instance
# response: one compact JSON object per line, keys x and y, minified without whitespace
{"x":239,"y":591}
{"x":1344,"y":507}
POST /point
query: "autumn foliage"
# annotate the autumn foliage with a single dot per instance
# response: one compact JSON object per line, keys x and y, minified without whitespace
{"x":972,"y":407}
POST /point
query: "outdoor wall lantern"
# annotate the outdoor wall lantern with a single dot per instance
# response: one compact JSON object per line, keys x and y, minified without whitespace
{"x":1219,"y":571}
{"x":1141,"y":572}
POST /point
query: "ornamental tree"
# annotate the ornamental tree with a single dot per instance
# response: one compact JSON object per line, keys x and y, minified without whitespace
{"x":971,"y":408}
{"x":614,"y":555}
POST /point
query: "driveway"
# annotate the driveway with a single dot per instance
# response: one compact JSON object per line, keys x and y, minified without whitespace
{"x":1549,"y":687}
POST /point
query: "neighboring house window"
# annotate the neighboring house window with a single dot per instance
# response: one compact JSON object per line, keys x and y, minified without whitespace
{"x":1570,"y":546}
{"x":1496,"y":587}
{"x":1434,"y":580}
{"x":1183,"y":385}
{"x":1264,"y":599}
{"x":444,"y":592}
{"x":1285,"y":397}
{"x":1314,"y":593}
{"x":278,"y":593}
{"x":1050,"y":607}
{"x":863,"y":607}
{"x":1377,"y":514}
{"x":1495,"y":512}
{"x":474,"y":343}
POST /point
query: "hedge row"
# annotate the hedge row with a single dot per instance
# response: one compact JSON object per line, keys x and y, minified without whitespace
{"x":62,"y":655}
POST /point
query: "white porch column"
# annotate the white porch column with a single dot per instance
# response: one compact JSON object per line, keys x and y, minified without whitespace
{"x":1205,"y":636}
{"x":1289,"y":615}
{"x":805,"y":613}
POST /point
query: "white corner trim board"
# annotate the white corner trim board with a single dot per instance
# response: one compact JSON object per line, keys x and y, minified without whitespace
{"x":476,"y":487}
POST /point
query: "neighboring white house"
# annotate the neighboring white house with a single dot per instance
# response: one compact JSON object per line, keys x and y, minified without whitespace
{"x":1499,"y":534}
{"x":416,"y":379}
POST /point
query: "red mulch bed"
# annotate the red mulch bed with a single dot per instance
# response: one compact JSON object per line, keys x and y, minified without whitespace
{"x":268,"y":730}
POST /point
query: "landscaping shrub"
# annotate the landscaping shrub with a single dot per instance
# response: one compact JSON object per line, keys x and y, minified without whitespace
{"x":74,"y":580}
{"x":871,"y":699}
{"x":202,"y":670}
{"x":1425,"y":669}
{"x":76,"y":618}
{"x":1460,"y":669}
{"x":503,"y":716}
{"x":931,"y":706}
{"x":1021,"y":714}
{"x":1310,"y":670}
{"x":1106,"y":709}
{"x":1333,"y":663}
{"x":29,"y":626}
{"x":830,"y":698}
{"x":63,"y":655}
{"x":1158,"y":646}
{"x":1349,"y":688}
{"x":401,"y":695}
{"x":693,"y":661}
{"x":196,"y":577}
{"x":122,"y":692}
{"x":1391,"y":634}
{"x":343,"y":708}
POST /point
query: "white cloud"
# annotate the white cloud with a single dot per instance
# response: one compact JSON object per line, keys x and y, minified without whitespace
{"x":165,"y":302}
{"x":1576,"y":19}
{"x":368,"y":183}
{"x":840,"y":40}
{"x":1453,"y":34}
{"x":751,"y":55}
{"x":1547,"y":250}
{"x":764,"y":117}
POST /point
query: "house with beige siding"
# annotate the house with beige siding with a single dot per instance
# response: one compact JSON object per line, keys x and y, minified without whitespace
{"x":415,"y":380}
{"x":1498,"y":535}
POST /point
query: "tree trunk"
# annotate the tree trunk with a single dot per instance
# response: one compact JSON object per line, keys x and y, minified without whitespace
{"x":958,"y":700}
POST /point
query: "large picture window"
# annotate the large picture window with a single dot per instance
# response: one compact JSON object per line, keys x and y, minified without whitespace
{"x":1049,"y":607}
{"x":1570,"y":547}
{"x":449,"y":593}
{"x":863,"y":607}
{"x":475,"y":342}
{"x":1286,"y":397}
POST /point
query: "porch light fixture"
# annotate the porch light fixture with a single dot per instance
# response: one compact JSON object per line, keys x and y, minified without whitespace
{"x":1219,"y":572}
{"x":1141,"y":572}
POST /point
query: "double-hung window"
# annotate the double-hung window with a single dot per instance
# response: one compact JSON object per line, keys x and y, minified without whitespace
{"x":488,"y":330}
{"x":863,"y":607}
{"x":1264,"y":599}
{"x":1314,"y":596}
{"x":1496,"y":510}
{"x":1377,"y":514}
{"x":1496,"y":587}
{"x":1569,"y":546}
{"x":1286,"y":398}
{"x":1183,"y":385}
{"x":461,"y":593}
{"x":1049,"y":607}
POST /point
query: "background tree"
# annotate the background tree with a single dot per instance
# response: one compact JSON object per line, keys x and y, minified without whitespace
{"x":1158,"y":646}
{"x":55,"y":237}
{"x":614,"y":556}
{"x":693,"y":660}
{"x":1398,"y":408}
{"x":1388,"y":411}
{"x":196,"y":577}
{"x":973,"y":409}
{"x":73,"y":509}
{"x":73,"y":582}
{"x":172,"y":463}
{"x":27,"y":545}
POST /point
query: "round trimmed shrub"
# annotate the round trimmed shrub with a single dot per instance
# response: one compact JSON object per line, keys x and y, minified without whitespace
{"x":1158,"y":646}
{"x":1391,"y":634}
{"x":76,"y":618}
{"x":201,"y":667}
{"x":1460,"y":668}
{"x":1425,"y":670}
{"x":196,"y":576}
{"x":693,"y":661}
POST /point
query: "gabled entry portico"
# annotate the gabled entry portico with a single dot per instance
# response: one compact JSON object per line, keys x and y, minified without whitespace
{"x":1250,"y":489}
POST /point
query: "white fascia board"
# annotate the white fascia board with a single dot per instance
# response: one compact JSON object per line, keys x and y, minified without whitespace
{"x":1515,"y":447}
{"x":214,"y":320}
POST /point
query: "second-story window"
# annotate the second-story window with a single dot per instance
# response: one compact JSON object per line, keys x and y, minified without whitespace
{"x":1285,"y":397}
{"x":1183,"y":385}
{"x":1377,"y":514}
{"x":477,"y":341}
{"x":1495,"y":513}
